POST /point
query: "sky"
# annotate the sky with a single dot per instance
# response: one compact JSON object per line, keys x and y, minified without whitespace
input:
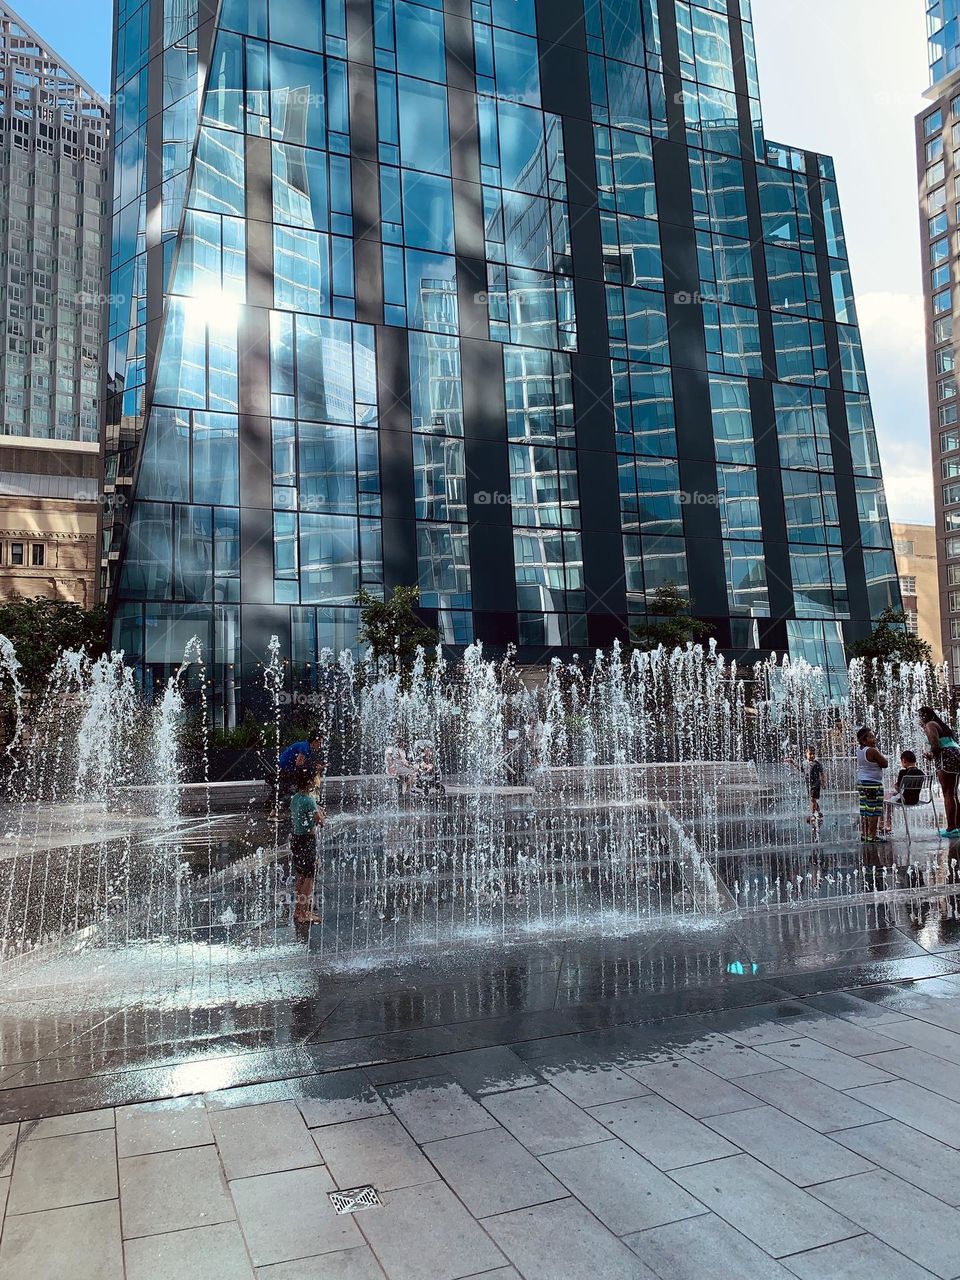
{"x":845,"y":77}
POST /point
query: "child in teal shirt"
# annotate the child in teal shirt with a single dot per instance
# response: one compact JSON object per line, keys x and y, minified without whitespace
{"x":306,"y":817}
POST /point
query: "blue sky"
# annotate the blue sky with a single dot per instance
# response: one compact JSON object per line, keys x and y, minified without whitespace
{"x":843,"y":78}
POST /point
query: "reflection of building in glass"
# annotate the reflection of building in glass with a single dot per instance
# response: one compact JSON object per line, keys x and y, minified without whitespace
{"x":539,"y":327}
{"x":915,"y":546}
{"x":54,"y":131}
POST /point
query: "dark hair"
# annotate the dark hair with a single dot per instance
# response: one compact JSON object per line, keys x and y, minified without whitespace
{"x":813,"y":749}
{"x":927,"y":715}
{"x":909,"y":756}
{"x":304,"y":777}
{"x":315,"y":736}
{"x":862,"y":733}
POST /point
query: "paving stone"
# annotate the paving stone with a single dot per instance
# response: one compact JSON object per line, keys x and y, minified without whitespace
{"x":924,"y":1069}
{"x":378,"y":1151}
{"x":813,"y":1104}
{"x":625,"y":1191}
{"x":847,"y":1005}
{"x":662,"y":1133}
{"x":917,"y":1158}
{"x":250,"y":1095}
{"x":263,"y":1139}
{"x":562,"y":1240}
{"x":932,"y":1039}
{"x":904,"y":1217}
{"x":762,"y":1024}
{"x":694,"y":1090}
{"x":215,"y":1253}
{"x":702,"y":1247}
{"x":338,"y":1096}
{"x":162,"y":1126}
{"x":425,"y":1231}
{"x":74,"y":1169}
{"x":434,"y":1109}
{"x":543,"y":1119}
{"x":588,"y":1086}
{"x":81,"y":1242}
{"x":790,"y":1148}
{"x":289,"y":1215}
{"x":855,"y":1040}
{"x":821,"y":1062}
{"x":914,"y":1106}
{"x":727,"y":1058}
{"x":501,"y":1273}
{"x":343,"y":1264}
{"x":763,"y":1206}
{"x":58,"y":1126}
{"x":173,"y":1190}
{"x":492,"y":1172}
{"x":862,"y":1258}
{"x":8,"y":1147}
{"x":483,"y":1071}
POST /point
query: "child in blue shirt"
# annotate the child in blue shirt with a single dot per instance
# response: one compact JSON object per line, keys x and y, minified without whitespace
{"x":306,"y":817}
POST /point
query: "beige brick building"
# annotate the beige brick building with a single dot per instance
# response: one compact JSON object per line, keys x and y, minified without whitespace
{"x":915,"y":546}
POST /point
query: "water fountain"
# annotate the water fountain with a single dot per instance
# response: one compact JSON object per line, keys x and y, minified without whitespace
{"x":635,"y":788}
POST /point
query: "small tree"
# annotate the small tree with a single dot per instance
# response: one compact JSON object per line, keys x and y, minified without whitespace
{"x":390,"y":627}
{"x":41,"y":629}
{"x":890,"y":641}
{"x":669,"y":623}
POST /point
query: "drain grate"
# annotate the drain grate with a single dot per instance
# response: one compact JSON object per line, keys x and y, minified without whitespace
{"x":354,"y":1199}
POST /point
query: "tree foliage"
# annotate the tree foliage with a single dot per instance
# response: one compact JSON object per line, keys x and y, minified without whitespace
{"x":41,"y":629}
{"x":890,"y":641}
{"x":669,"y":622}
{"x":391,"y":627}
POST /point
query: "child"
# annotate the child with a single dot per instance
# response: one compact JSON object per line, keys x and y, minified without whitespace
{"x":816,"y":780}
{"x":306,"y":817}
{"x":399,"y":768}
{"x":908,"y":787}
{"x":870,"y":766}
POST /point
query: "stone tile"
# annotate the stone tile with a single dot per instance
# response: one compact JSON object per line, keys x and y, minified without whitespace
{"x":694,"y":1090}
{"x":173,"y":1190}
{"x":8,"y":1147}
{"x":625,"y":1191}
{"x":862,"y":1258}
{"x":501,"y":1273}
{"x":727,"y":1058}
{"x":917,"y":1158}
{"x":343,"y":1264}
{"x":855,"y":1040}
{"x":378,"y":1151}
{"x":790,"y":1148}
{"x":263,"y":1139}
{"x":932,"y":1039}
{"x":813,"y":1104}
{"x":904,"y":1217}
{"x":483,"y":1071}
{"x":338,"y":1096}
{"x":932,"y":1114}
{"x":79,"y":1122}
{"x":82,"y":1242}
{"x":662,"y":1133}
{"x":492,"y":1172}
{"x":250,"y":1095}
{"x":435,"y":1108}
{"x":425,"y":1231}
{"x":762,"y":1024}
{"x":924,"y":1069}
{"x":289,"y":1215}
{"x":543,"y":1119}
{"x":162,"y":1126}
{"x":821,"y":1062}
{"x":561,"y":1240}
{"x":766,"y":1208}
{"x":702,"y":1247}
{"x":216,"y":1253}
{"x":846,"y":1005}
{"x":75,"y":1169}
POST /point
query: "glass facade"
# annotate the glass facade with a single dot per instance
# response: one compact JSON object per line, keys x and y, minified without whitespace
{"x":511,"y":300}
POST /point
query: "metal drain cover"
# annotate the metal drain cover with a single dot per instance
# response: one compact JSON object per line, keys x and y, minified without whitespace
{"x":354,"y":1199}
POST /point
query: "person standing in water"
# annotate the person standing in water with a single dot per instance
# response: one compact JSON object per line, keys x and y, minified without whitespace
{"x":813,"y":775}
{"x":870,"y":766}
{"x":945,"y":753}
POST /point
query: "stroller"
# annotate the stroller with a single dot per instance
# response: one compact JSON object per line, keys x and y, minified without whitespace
{"x":428,"y":771}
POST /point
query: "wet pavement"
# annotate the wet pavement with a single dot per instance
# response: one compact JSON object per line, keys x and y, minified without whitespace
{"x":775,"y":1094}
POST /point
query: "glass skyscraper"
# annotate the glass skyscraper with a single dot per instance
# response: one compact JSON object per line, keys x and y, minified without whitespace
{"x":508,"y":299}
{"x":938,"y":168}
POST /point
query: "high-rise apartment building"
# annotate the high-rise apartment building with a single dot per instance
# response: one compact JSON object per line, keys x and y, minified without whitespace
{"x":52,"y":217}
{"x":915,"y":550}
{"x":509,"y":299}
